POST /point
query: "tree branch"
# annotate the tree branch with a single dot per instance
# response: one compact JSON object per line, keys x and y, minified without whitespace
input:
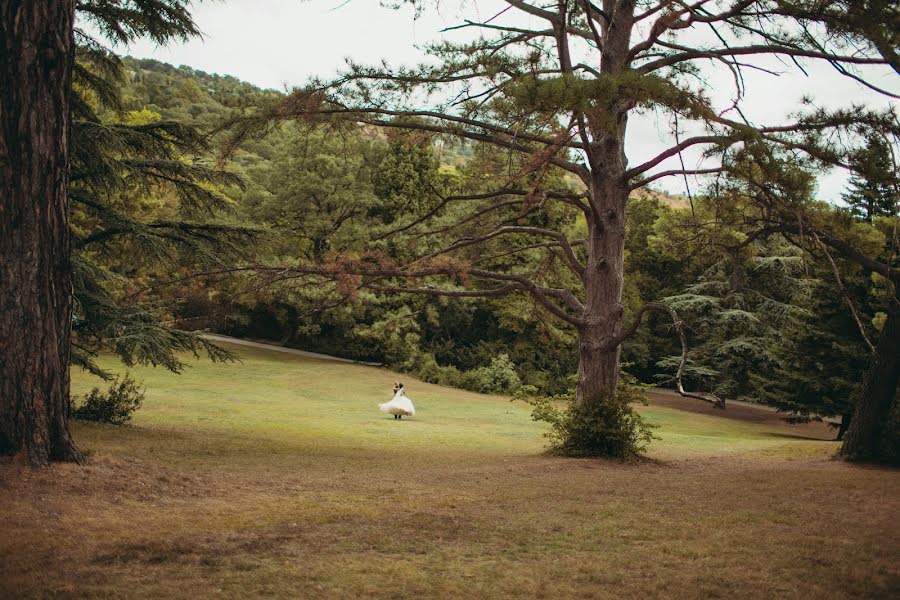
{"x":678,"y":324}
{"x":843,"y":290}
{"x":566,"y":165}
{"x":571,"y":260}
{"x":643,"y":182}
{"x":540,"y":294}
{"x":689,"y":54}
{"x":674,"y":150}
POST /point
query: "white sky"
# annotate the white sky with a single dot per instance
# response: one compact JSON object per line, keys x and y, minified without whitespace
{"x":281,"y":43}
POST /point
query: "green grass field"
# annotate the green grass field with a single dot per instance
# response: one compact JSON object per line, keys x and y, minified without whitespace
{"x":279,"y":477}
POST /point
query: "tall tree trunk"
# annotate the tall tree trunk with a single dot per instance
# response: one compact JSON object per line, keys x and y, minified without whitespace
{"x":879,"y":392}
{"x":598,"y":368}
{"x":36,"y":57}
{"x":844,"y":425}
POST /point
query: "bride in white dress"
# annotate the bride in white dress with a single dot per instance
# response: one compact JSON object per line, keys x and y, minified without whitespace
{"x":400,"y":405}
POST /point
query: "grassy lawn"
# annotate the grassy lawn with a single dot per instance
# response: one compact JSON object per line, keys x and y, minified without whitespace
{"x":279,"y":477}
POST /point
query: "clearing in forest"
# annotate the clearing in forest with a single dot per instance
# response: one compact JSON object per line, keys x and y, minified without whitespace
{"x":278,"y":476}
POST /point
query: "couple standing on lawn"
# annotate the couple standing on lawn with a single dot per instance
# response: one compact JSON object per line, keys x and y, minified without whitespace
{"x":400,"y":405}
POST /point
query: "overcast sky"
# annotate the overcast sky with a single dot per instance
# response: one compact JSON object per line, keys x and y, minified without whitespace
{"x":281,"y":43}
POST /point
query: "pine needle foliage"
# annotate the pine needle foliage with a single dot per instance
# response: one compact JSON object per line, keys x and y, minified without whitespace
{"x":146,"y":198}
{"x":874,"y":189}
{"x":739,"y":311}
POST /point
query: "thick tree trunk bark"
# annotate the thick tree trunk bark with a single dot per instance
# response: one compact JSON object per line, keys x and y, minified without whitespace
{"x":598,"y":368}
{"x":842,"y":428}
{"x":36,"y":57}
{"x":600,"y":425}
{"x":879,"y":392}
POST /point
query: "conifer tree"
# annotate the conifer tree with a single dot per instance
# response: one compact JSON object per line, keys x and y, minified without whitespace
{"x":36,"y":55}
{"x":828,"y":236}
{"x":768,"y":323}
{"x":874,"y":189}
{"x":61,"y":262}
{"x":144,"y":203}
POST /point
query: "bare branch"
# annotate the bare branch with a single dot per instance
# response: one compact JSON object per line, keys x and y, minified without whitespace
{"x":678,"y":324}
{"x":541,"y":294}
{"x":435,"y":291}
{"x":708,"y":171}
{"x":850,"y":251}
{"x":444,"y":201}
{"x":444,"y":117}
{"x":575,"y":168}
{"x":571,"y":260}
{"x":722,"y":140}
{"x":547,"y":15}
{"x":688,"y":54}
{"x":843,"y":290}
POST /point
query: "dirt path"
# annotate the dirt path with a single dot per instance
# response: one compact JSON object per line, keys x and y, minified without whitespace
{"x":269,"y":346}
{"x":742,"y":411}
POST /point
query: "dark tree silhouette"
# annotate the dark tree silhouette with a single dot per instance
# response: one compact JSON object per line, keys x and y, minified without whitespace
{"x":37,"y":50}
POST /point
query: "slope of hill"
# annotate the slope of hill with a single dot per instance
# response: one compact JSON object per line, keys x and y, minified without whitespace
{"x":278,"y":476}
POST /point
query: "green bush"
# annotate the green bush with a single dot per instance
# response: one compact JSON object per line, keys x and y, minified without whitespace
{"x":610,"y":428}
{"x":450,"y":376}
{"x":115,"y":406}
{"x":475,"y":380}
{"x":497,"y":378}
{"x":427,"y":369}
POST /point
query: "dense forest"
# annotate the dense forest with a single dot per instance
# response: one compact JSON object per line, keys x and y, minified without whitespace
{"x":767,"y":320}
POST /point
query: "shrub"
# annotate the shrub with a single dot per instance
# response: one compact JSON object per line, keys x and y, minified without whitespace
{"x":610,"y":428}
{"x":475,"y":380}
{"x":499,"y":377}
{"x":450,"y":376}
{"x":115,"y":406}
{"x":427,"y":369}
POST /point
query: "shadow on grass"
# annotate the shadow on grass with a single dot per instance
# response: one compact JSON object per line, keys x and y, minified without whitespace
{"x":800,"y":437}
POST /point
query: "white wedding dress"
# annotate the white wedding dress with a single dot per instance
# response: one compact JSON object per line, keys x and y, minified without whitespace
{"x":399,"y":406}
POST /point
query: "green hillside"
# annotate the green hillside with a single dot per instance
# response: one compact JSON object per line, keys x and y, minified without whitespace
{"x":278,"y":476}
{"x":307,"y":400}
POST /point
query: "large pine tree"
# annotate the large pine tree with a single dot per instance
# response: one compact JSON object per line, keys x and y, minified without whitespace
{"x":74,"y":175}
{"x":37,"y":50}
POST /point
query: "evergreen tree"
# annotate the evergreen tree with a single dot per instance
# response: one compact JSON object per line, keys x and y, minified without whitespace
{"x":101,"y":170}
{"x":316,"y":191}
{"x":874,"y":189}
{"x":143,"y":196}
{"x":740,"y":310}
{"x":36,"y":55}
{"x":825,"y":233}
{"x":406,"y":181}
